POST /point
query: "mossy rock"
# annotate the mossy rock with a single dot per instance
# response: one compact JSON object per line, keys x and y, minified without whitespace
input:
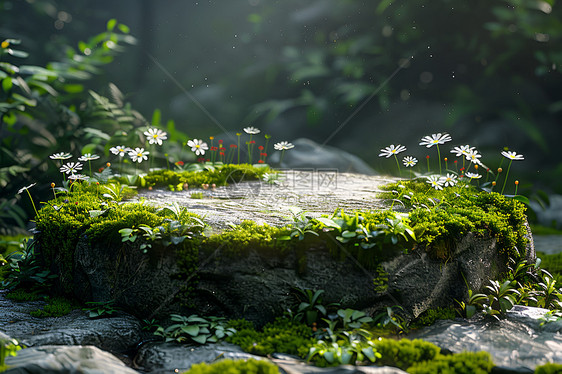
{"x":248,"y":272}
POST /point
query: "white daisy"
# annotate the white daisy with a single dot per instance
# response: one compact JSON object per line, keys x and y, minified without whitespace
{"x":512,"y":155}
{"x":155,"y":136}
{"x":251,"y":130}
{"x":392,"y":150}
{"x":120,"y":150}
{"x":281,"y":146}
{"x":435,"y":181}
{"x":198,"y":146}
{"x":138,"y":155}
{"x":434,"y":139}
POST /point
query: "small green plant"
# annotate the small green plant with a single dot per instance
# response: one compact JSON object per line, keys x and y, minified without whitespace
{"x":346,"y":348}
{"x":25,"y":271}
{"x":474,"y":303}
{"x":99,"y":309}
{"x":195,"y":329}
{"x":302,"y":225}
{"x":251,"y":366}
{"x":311,"y":308}
{"x":197,"y":195}
{"x":8,"y":347}
{"x":150,"y":325}
{"x":391,"y":317}
{"x":501,"y":297}
{"x":353,"y":319}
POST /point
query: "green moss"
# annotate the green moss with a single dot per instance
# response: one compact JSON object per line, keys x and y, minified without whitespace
{"x":87,"y":212}
{"x":56,"y":307}
{"x":245,"y":236}
{"x":429,"y":317}
{"x":20,"y":294}
{"x":282,"y":335}
{"x":440,"y":218}
{"x":404,"y":353}
{"x":221,"y":175}
{"x":228,"y":366}
{"x":460,"y":363}
{"x":549,"y":368}
{"x":106,"y":228}
{"x":381,"y":280}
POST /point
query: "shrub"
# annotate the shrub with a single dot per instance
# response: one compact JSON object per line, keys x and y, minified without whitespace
{"x":228,"y":366}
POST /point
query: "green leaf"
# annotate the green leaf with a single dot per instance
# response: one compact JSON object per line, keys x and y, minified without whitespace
{"x":111,"y":24}
{"x":348,"y":234}
{"x":201,"y":339}
{"x":156,"y":118}
{"x":123,"y":28}
{"x":328,"y":222}
{"x":192,"y":330}
{"x":7,"y":84}
{"x":16,"y":53}
{"x":369,"y":353}
{"x":73,"y":88}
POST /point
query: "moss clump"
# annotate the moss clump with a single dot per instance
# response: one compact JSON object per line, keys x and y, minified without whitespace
{"x":106,"y":229}
{"x":228,"y":366}
{"x":429,"y":317}
{"x":22,"y":295}
{"x":247,"y":235}
{"x":404,"y":353}
{"x":282,"y":335}
{"x":549,"y":368}
{"x":56,"y":307}
{"x":460,"y":363}
{"x":440,"y":218}
{"x":218,"y":175}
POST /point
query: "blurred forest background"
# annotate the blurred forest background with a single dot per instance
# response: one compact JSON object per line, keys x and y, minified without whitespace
{"x":358,"y":75}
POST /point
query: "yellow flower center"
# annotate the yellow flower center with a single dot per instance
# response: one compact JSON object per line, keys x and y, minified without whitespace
{"x":5,"y":44}
{"x":155,"y":136}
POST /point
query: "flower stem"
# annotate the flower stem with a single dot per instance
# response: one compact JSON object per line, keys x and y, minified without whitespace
{"x":439,"y":157}
{"x":398,"y":164}
{"x":32,"y":203}
{"x":281,"y":158}
{"x":238,"y":148}
{"x":506,"y":175}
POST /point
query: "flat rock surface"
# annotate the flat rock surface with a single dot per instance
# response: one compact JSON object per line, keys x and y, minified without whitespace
{"x":517,"y":341}
{"x":315,"y":192}
{"x":116,"y":334}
